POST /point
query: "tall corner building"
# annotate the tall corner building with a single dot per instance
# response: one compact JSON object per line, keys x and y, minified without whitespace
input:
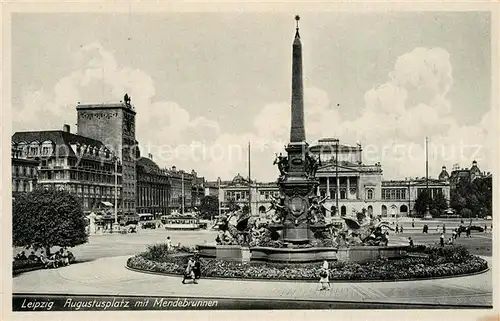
{"x":114,"y":125}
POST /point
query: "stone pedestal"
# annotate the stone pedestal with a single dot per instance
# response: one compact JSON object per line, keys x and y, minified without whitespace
{"x":297,"y":189}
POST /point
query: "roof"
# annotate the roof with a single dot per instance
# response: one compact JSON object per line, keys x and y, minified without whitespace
{"x":147,"y":163}
{"x":121,"y":105}
{"x":325,"y":146}
{"x":59,"y":138}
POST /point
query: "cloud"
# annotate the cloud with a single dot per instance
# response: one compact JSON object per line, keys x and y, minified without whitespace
{"x":396,"y":118}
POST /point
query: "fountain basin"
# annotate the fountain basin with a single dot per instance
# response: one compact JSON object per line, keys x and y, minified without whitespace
{"x":290,"y":255}
{"x":369,"y":253}
{"x":224,"y":252}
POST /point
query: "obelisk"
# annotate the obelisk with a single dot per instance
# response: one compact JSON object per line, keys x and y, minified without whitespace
{"x":297,"y":132}
{"x":297,"y":186}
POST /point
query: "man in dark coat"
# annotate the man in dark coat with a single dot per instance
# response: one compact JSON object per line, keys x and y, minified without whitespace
{"x":197,"y":267}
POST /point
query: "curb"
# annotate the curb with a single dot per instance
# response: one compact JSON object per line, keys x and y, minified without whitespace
{"x":218,"y":278}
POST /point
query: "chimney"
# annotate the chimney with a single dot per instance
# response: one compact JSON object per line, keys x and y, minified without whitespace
{"x":66,"y":128}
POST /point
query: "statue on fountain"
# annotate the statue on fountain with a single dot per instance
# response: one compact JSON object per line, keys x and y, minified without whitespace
{"x":234,"y":233}
{"x":316,"y":216}
{"x":282,"y":162}
{"x":365,"y":231}
{"x":312,"y":165}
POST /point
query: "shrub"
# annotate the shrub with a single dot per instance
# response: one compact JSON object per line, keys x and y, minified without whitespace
{"x":19,"y":266}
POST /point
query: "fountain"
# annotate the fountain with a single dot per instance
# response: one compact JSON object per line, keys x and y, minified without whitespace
{"x":298,"y":232}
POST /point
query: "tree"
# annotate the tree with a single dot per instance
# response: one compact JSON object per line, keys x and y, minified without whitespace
{"x":422,"y":202}
{"x":457,"y":201}
{"x":474,"y":196}
{"x":466,"y":213}
{"x":47,"y":218}
{"x":209,"y":206}
{"x":439,"y":204}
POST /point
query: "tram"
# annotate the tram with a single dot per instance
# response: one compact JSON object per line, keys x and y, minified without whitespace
{"x":181,"y":222}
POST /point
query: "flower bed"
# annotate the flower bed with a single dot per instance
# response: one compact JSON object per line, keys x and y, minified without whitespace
{"x":450,"y":261}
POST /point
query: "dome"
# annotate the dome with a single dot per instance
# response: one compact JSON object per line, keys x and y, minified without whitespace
{"x":239,"y":179}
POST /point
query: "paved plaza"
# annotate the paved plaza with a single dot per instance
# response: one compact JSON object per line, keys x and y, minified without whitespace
{"x":103,"y":272}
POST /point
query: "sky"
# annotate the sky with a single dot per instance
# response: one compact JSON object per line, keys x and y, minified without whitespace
{"x":205,"y":84}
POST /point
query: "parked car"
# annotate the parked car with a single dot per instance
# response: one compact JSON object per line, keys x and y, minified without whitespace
{"x":151,"y":225}
{"x":472,"y":228}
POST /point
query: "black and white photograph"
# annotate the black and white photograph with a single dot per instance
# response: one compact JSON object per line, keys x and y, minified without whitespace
{"x":239,"y":158}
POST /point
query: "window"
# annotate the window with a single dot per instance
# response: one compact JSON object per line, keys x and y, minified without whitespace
{"x":342,"y":195}
{"x":369,"y":194}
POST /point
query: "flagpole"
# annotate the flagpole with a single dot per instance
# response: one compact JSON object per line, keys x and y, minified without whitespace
{"x":249,"y":183}
{"x":427,"y":173}
{"x":182,"y":197}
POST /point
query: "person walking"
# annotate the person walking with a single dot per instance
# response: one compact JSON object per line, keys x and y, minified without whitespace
{"x":188,"y":272}
{"x":410,"y":241}
{"x":413,"y":223}
{"x":454,"y":234}
{"x":401,"y":229}
{"x":441,"y":240}
{"x":197,"y":267}
{"x":397,"y":228}
{"x":169,"y":244}
{"x":444,"y":229}
{"x":324,"y":280}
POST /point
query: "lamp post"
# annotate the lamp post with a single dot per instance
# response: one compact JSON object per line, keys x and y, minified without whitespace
{"x":182,"y":193}
{"x":116,"y":226}
{"x":337,"y":182}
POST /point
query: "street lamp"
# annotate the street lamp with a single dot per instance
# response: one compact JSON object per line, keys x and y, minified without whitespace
{"x":337,"y":190}
{"x":116,"y":226}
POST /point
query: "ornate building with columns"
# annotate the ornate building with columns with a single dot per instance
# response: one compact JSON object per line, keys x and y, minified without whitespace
{"x":350,"y":186}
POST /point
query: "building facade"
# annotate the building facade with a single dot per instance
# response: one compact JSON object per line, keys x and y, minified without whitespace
{"x":80,"y":165}
{"x":153,"y":188}
{"x":24,"y":172}
{"x":241,"y":192}
{"x":466,"y":174}
{"x":114,"y":126}
{"x":349,"y":186}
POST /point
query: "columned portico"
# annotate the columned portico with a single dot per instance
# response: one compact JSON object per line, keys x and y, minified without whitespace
{"x":338,"y":188}
{"x":328,"y":187}
{"x":348,"y":191}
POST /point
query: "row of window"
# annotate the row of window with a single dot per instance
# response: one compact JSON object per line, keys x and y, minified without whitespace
{"x":20,"y":170}
{"x":237,"y":195}
{"x":433,"y":191}
{"x":333,"y":194}
{"x":92,"y":165}
{"x":267,"y":194}
{"x":21,"y":186}
{"x":394,"y":193}
{"x":79,"y":176}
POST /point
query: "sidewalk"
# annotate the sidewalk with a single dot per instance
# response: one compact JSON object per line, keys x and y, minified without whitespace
{"x":108,"y":276}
